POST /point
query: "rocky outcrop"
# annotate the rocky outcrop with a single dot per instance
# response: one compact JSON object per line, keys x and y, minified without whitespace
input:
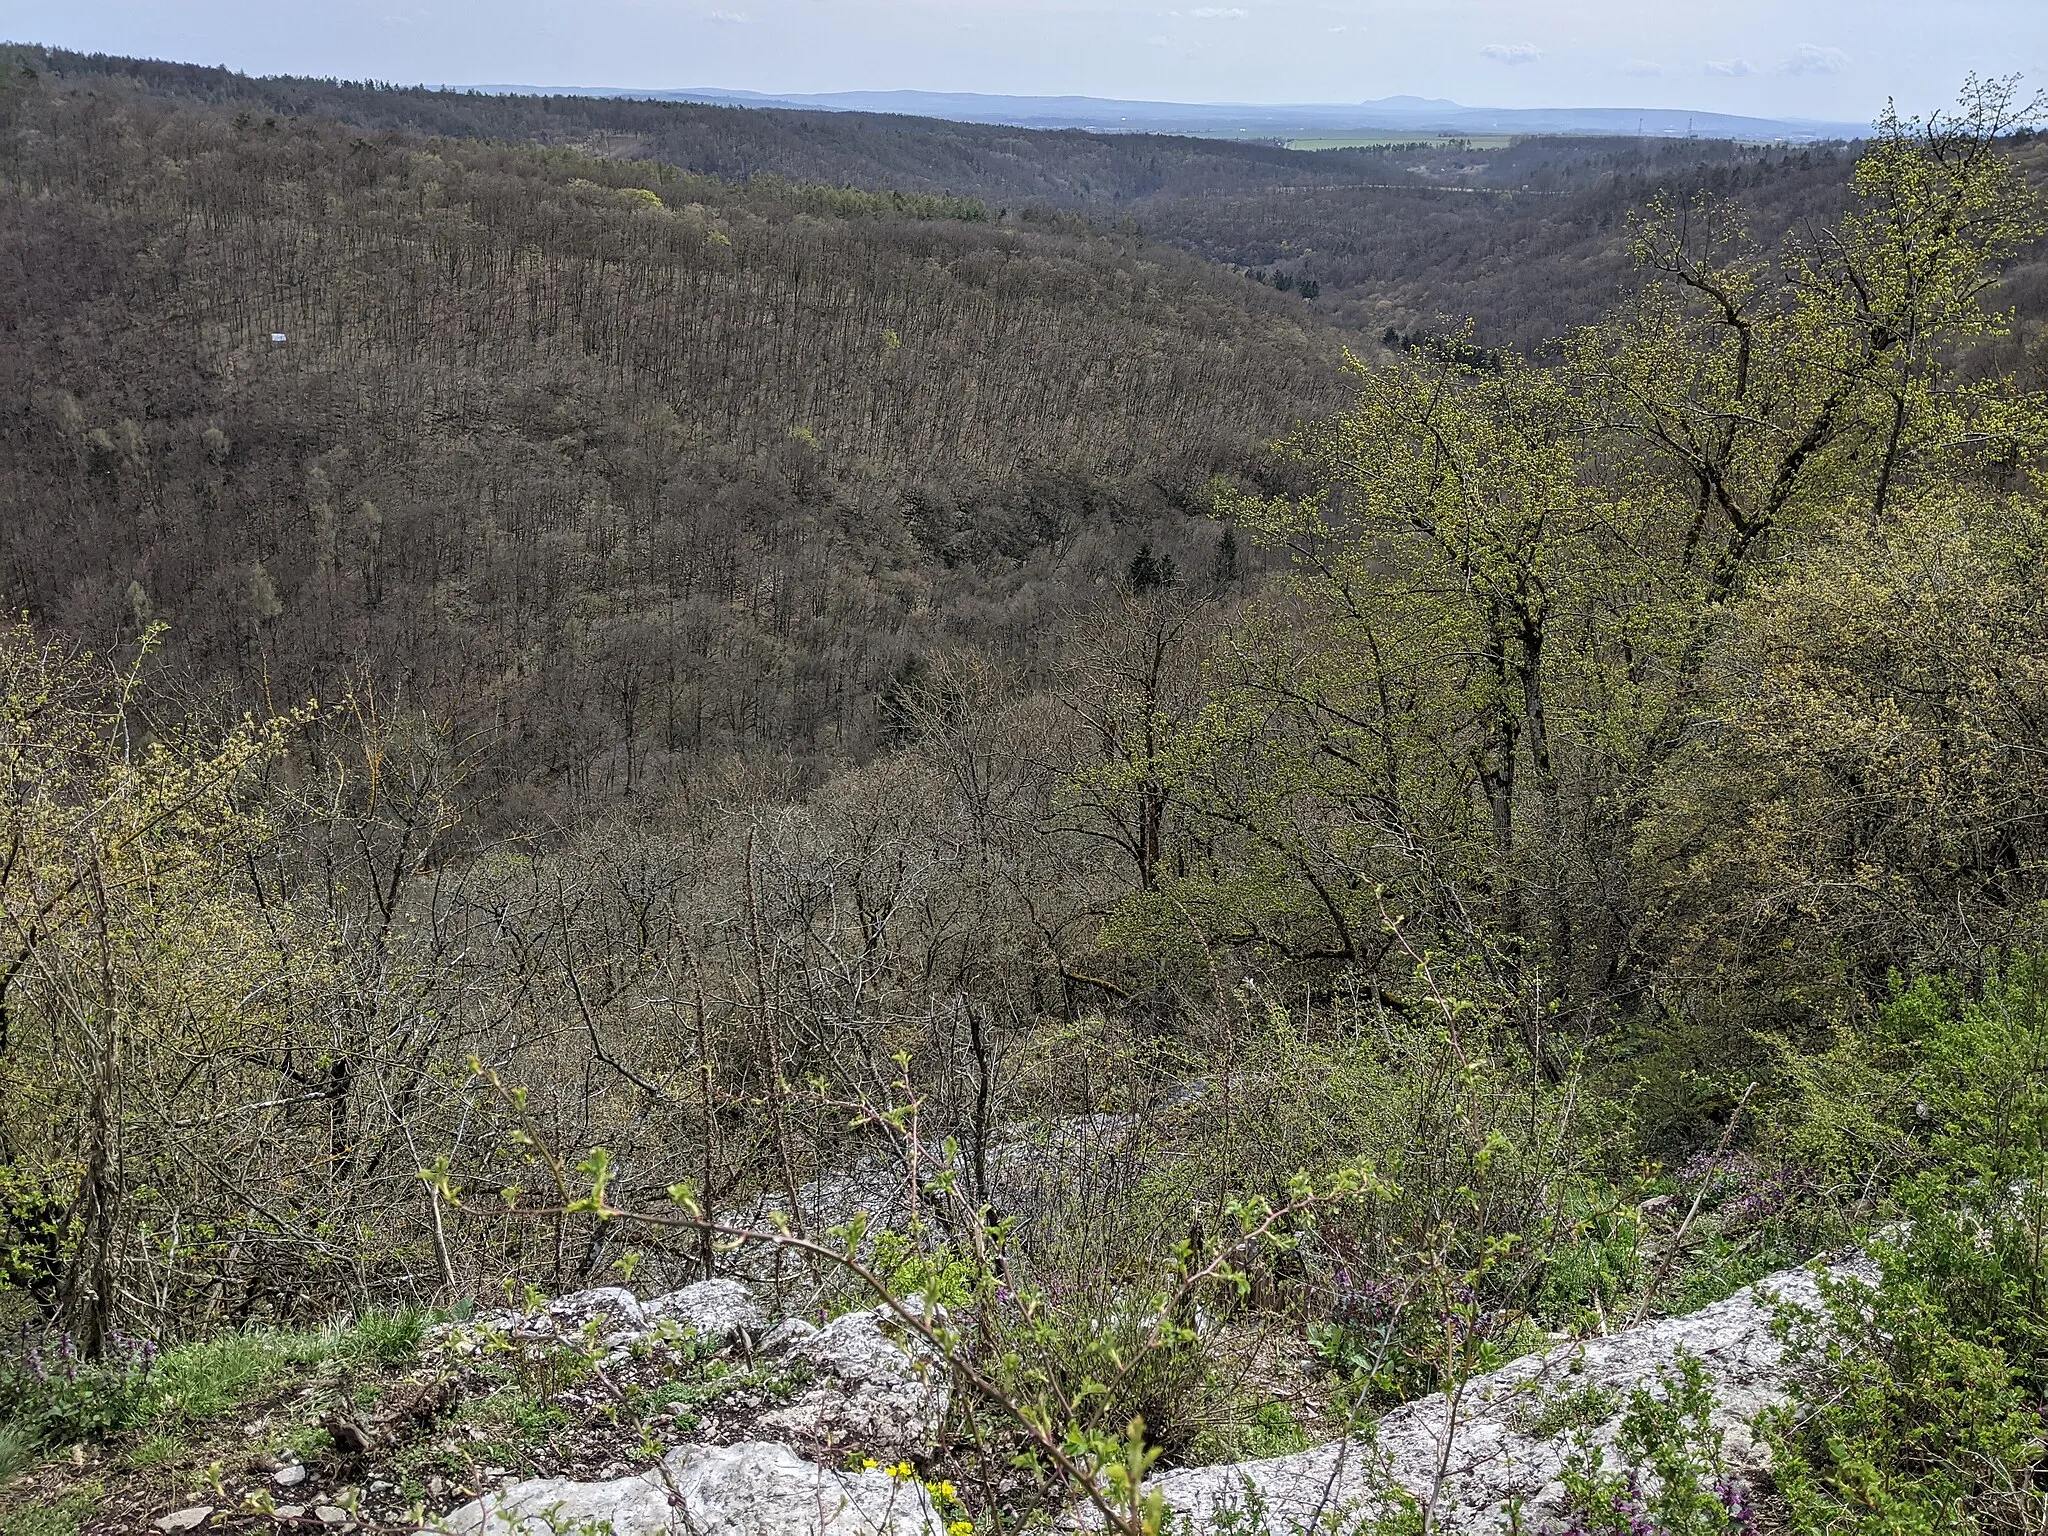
{"x":717,"y":1309}
{"x":868,"y":1385}
{"x":549,"y":1506}
{"x":1466,"y":1456}
{"x":766,"y":1490}
{"x":873,"y":1385}
{"x":611,"y":1312}
{"x":612,"y":1308}
{"x":872,"y":1388}
{"x":754,"y":1489}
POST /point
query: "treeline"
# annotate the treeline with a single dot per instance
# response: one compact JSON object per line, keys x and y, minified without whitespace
{"x":873,"y":151}
{"x":1529,"y":239}
{"x":1529,"y":242}
{"x":617,"y":468}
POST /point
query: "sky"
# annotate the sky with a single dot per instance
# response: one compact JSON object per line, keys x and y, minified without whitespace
{"x":1836,"y":60}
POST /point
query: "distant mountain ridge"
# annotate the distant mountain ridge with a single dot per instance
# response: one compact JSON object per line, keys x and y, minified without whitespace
{"x":1397,"y":114}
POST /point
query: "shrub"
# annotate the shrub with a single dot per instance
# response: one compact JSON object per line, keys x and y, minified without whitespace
{"x":1917,"y":1402}
{"x":51,"y":1396}
{"x":1674,"y":1480}
{"x":1118,"y":1360}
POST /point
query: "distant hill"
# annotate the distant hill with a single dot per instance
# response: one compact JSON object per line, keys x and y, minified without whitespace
{"x":1526,"y":236}
{"x":891,"y":151}
{"x":1238,"y":120}
{"x":622,"y":469}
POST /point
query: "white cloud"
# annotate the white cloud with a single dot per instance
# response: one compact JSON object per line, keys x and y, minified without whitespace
{"x":1812,"y":59}
{"x":1512,"y":53}
{"x":1217,"y":13}
{"x":1643,"y":69}
{"x":1734,"y":68}
{"x":727,"y":18}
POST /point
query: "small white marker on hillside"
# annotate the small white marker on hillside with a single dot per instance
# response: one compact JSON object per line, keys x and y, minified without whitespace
{"x":277,"y":338}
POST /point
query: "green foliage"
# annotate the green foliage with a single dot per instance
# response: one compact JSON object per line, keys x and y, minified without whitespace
{"x":131,"y":960}
{"x":911,"y":1265}
{"x":1574,"y":1408}
{"x":1470,"y":1144}
{"x":1547,"y":626}
{"x":33,"y":1227}
{"x":52,"y":1397}
{"x":1100,"y":1368}
{"x":506,"y":1427}
{"x":1914,"y":1420}
{"x":196,"y":1382}
{"x":853,"y":203}
{"x":1270,"y":1430}
{"x":1863,"y":792}
{"x":61,"y":1516}
{"x":17,"y":1452}
{"x":388,"y":1337}
{"x":705,"y":1377}
{"x":1593,"y":1263}
{"x":1673,"y":1479}
{"x":1917,"y":1404}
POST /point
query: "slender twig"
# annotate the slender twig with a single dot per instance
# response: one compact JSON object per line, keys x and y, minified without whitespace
{"x":1678,"y":1238}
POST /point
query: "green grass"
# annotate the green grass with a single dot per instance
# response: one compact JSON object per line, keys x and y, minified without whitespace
{"x":58,"y":1517}
{"x":514,"y":1424}
{"x":711,"y":1381}
{"x":156,"y":1451}
{"x":193,"y":1383}
{"x":196,"y":1382}
{"x":1272,"y":1431}
{"x":17,"y":1453}
{"x":388,"y":1338}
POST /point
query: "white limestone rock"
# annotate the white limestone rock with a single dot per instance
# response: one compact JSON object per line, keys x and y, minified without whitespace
{"x":554,"y":1506}
{"x":612,"y":1307}
{"x":614,"y":1311}
{"x":764,"y":1489}
{"x":786,"y":1335}
{"x":718,"y":1309}
{"x":1492,"y":1455}
{"x":875,"y":1386}
{"x":754,"y":1489}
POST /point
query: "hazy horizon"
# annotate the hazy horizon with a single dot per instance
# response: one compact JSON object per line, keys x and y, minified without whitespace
{"x":770,"y":96}
{"x":1828,"y":60}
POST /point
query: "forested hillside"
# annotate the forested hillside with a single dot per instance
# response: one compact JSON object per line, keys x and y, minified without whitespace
{"x":862,"y":149}
{"x":1528,"y":239}
{"x":1529,"y":242}
{"x":613,"y":466}
{"x":579,"y":724}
